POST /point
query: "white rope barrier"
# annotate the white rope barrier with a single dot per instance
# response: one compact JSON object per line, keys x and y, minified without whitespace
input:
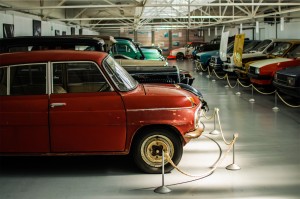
{"x":219,"y":76}
{"x":212,"y":169}
{"x":238,"y":82}
{"x":231,"y":145}
{"x":293,"y":106}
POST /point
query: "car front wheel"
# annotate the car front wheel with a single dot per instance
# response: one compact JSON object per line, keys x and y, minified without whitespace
{"x":149,"y":146}
{"x":180,"y":56}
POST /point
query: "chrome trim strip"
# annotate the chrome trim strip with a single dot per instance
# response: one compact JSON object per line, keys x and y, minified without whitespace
{"x":159,"y":109}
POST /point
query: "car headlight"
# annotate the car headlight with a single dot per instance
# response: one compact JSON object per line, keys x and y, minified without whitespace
{"x":197,"y":117}
{"x":257,"y":71}
{"x":275,"y":77}
{"x":291,"y":81}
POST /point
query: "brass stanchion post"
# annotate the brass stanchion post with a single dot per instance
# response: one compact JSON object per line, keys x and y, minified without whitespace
{"x":275,"y":108}
{"x":252,"y":100}
{"x":233,"y":166}
{"x":162,"y":189}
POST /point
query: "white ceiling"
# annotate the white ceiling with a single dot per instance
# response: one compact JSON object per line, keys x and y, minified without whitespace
{"x":113,"y":15}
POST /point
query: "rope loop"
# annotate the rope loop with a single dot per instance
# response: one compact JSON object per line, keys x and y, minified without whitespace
{"x":236,"y":83}
{"x":263,"y":92}
{"x":293,"y":106}
{"x":219,"y":122}
{"x":210,"y":117}
{"x":243,"y":84}
{"x":168,"y":158}
{"x":218,"y":75}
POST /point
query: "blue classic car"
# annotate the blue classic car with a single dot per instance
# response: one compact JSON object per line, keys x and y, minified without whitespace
{"x":288,"y":81}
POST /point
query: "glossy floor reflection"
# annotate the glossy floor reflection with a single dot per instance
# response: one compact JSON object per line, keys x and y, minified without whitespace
{"x":267,"y":151}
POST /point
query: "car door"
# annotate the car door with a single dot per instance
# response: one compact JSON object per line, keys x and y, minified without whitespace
{"x":24,"y":109}
{"x":86,"y":114}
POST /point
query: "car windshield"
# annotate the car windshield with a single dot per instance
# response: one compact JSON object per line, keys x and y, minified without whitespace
{"x":250,"y":45}
{"x":280,"y":49}
{"x":121,"y":78}
{"x":151,"y":54}
{"x":260,"y":47}
{"x":295,"y":52}
{"x":188,"y":45}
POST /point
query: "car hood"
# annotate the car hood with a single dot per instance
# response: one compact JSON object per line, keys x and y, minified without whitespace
{"x":159,"y":96}
{"x":213,"y":52}
{"x":291,"y":71}
{"x":262,"y":63}
{"x":250,"y":55}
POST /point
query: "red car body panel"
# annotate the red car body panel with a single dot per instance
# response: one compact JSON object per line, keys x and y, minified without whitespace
{"x":88,"y":123}
{"x":268,"y":71}
{"x":24,"y":124}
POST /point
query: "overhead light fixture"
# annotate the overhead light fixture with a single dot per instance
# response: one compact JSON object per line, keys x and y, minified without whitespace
{"x":257,"y":27}
{"x":241,"y":28}
{"x":282,"y":23}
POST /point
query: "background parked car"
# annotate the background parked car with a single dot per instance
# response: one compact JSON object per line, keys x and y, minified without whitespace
{"x":262,"y":72}
{"x":288,"y":81}
{"x":186,"y":51}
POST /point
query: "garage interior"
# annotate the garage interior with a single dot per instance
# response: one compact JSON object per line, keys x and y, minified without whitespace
{"x":268,"y":146}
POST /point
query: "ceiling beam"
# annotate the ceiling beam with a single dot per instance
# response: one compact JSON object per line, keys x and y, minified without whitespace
{"x":149,"y":5}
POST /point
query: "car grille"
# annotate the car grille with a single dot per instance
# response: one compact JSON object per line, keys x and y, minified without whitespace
{"x":282,"y":79}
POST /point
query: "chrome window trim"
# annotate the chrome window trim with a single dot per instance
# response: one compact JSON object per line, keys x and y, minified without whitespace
{"x":17,"y":65}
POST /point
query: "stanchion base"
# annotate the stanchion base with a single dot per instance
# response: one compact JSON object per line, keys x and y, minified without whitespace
{"x":252,"y":100}
{"x":226,"y":86}
{"x":207,"y":76}
{"x":233,"y":167}
{"x":213,"y":80}
{"x":162,"y":190}
{"x":201,"y":73}
{"x":275,"y":109}
{"x":238,"y":93}
{"x":215,"y":132}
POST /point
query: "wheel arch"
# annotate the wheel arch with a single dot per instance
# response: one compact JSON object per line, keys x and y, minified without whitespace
{"x":143,"y":130}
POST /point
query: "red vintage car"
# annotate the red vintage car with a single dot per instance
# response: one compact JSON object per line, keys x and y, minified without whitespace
{"x":85,"y":103}
{"x":262,"y":72}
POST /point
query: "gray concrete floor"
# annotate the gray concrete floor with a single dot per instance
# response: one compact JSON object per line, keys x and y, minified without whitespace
{"x":267,"y":151}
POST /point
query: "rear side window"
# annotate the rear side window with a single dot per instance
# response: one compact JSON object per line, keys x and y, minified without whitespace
{"x":28,"y":79}
{"x":3,"y":86}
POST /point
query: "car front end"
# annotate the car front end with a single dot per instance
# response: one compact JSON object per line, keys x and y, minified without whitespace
{"x":288,"y":81}
{"x":262,"y":72}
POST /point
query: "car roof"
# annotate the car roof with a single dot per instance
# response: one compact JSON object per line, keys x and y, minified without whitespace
{"x":33,"y":39}
{"x":50,"y":55}
{"x":54,"y":41}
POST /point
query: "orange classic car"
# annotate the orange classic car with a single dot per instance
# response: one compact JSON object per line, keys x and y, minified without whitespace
{"x":85,"y":103}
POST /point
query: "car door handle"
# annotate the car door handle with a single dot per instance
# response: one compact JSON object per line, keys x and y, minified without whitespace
{"x":52,"y":105}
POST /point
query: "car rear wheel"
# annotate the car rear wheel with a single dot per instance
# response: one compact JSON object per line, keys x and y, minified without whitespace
{"x":180,"y":56}
{"x":148,"y":150}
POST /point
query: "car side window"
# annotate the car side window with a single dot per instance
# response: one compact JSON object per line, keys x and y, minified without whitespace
{"x":78,"y":77}
{"x":3,"y":86}
{"x":28,"y":79}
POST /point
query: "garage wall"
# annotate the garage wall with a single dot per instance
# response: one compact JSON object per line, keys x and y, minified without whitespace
{"x":266,"y":31}
{"x":23,"y":25}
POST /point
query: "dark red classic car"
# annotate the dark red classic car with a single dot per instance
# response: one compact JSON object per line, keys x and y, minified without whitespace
{"x":85,"y":103}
